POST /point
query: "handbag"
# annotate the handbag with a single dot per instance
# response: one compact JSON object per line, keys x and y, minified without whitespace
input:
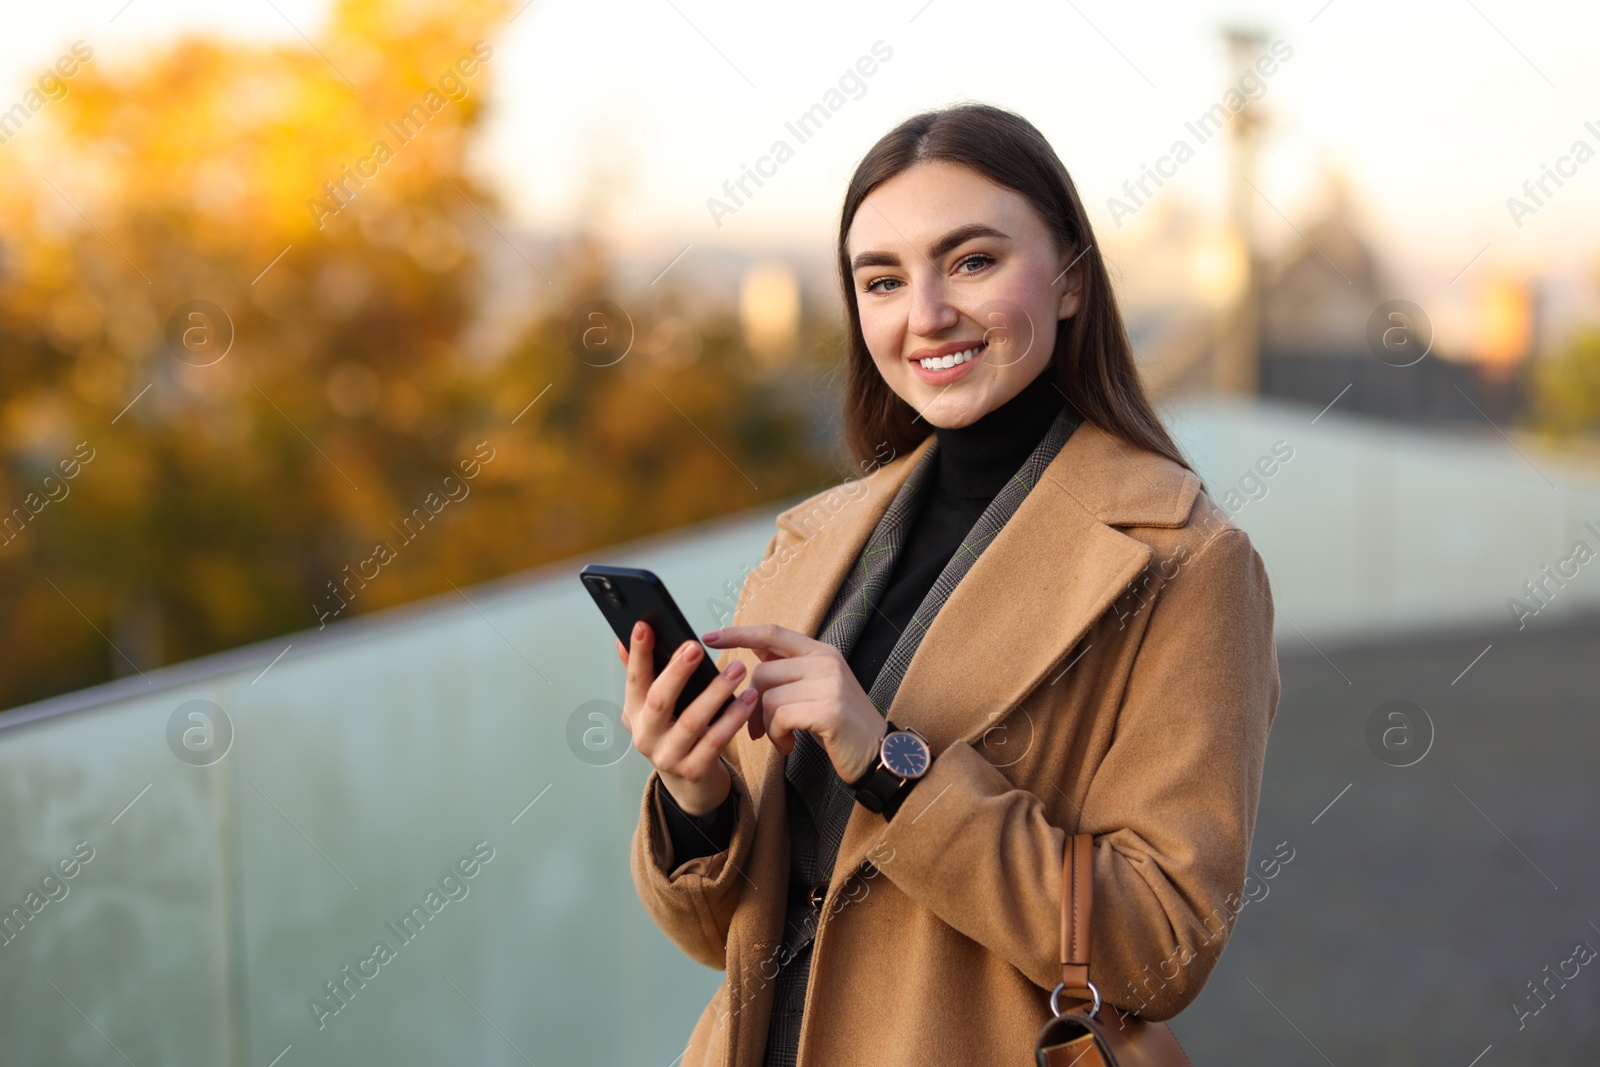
{"x":1078,"y":1037}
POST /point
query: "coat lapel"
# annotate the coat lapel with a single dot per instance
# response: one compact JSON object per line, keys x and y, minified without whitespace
{"x":826,"y":544}
{"x":824,"y":536}
{"x":1053,"y":569}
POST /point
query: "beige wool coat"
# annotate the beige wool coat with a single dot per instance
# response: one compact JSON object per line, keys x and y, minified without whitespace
{"x":1106,"y":666}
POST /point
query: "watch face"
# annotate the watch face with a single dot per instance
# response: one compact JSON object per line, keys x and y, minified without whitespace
{"x":905,"y":754}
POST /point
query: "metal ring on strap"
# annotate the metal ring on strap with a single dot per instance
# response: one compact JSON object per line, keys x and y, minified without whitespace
{"x":1055,"y":998}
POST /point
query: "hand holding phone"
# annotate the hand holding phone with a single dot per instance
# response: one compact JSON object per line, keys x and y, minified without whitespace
{"x":679,"y":709}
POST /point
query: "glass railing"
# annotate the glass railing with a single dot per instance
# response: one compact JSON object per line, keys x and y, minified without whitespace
{"x":1368,"y":527}
{"x":201,"y":868}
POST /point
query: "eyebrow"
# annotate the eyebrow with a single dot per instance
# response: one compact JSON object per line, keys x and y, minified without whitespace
{"x":954,"y":239}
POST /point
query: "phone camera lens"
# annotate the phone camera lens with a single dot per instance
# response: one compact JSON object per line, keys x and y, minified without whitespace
{"x":603,"y":586}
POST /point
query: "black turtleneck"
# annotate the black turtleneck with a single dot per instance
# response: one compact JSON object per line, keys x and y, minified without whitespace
{"x":972,"y":464}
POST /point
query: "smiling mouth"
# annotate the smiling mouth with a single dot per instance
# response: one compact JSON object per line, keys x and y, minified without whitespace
{"x":954,"y":359}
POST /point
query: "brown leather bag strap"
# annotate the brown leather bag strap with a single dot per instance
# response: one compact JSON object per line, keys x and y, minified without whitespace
{"x":1077,"y":904}
{"x":1074,"y":1038}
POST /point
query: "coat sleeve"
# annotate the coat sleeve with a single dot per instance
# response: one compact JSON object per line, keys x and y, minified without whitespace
{"x":693,"y":901}
{"x":1172,"y":805}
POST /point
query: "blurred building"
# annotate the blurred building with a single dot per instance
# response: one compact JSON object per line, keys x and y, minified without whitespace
{"x":1296,"y":326}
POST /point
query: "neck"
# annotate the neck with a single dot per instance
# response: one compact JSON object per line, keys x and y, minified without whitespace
{"x":975,"y":460}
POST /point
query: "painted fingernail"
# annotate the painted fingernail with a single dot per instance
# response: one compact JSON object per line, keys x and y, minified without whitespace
{"x":710,"y":635}
{"x":749,"y":695}
{"x":638,"y":630}
{"x":691,"y":652}
{"x":735,"y":671}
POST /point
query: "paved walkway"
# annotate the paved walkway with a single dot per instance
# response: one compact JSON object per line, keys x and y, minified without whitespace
{"x":1422,"y":900}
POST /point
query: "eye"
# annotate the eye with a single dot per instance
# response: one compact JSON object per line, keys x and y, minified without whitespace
{"x":979,"y":260}
{"x":872,"y":286}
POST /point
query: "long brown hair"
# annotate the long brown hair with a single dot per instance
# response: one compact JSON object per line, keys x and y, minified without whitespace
{"x":1092,"y":360}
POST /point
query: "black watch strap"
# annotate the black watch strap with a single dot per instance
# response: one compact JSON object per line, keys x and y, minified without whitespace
{"x":899,"y":798}
{"x":878,"y":789}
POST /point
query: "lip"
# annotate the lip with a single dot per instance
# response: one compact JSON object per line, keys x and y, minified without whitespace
{"x":946,"y":375}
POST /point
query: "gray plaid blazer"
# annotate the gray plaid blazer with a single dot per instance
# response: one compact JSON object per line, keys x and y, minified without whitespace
{"x":819,"y":801}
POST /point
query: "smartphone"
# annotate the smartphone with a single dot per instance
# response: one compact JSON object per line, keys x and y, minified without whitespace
{"x":626,"y":595}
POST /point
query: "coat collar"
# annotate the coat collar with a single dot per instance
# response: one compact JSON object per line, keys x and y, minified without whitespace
{"x":1053,"y":569}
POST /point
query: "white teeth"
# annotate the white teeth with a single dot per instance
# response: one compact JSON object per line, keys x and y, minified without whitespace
{"x":943,"y":362}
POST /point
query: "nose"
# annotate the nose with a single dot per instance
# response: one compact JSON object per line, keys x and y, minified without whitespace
{"x":931,"y":310}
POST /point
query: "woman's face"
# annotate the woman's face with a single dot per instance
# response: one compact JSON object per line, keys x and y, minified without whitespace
{"x":949,"y":265}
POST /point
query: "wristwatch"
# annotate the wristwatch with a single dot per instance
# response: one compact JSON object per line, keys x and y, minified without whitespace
{"x":903,"y":758}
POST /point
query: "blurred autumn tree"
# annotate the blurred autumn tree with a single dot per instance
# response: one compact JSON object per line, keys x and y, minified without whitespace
{"x":222,"y":501}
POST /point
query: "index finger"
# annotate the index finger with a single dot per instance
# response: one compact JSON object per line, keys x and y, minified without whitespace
{"x":763,"y":637}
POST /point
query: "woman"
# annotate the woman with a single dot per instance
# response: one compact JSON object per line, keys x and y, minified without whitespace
{"x":1031,"y":622}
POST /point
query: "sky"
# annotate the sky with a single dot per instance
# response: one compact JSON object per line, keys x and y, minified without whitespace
{"x":628,"y":115}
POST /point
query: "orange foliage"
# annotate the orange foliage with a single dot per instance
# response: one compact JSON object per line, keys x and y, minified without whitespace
{"x":228,"y":493}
